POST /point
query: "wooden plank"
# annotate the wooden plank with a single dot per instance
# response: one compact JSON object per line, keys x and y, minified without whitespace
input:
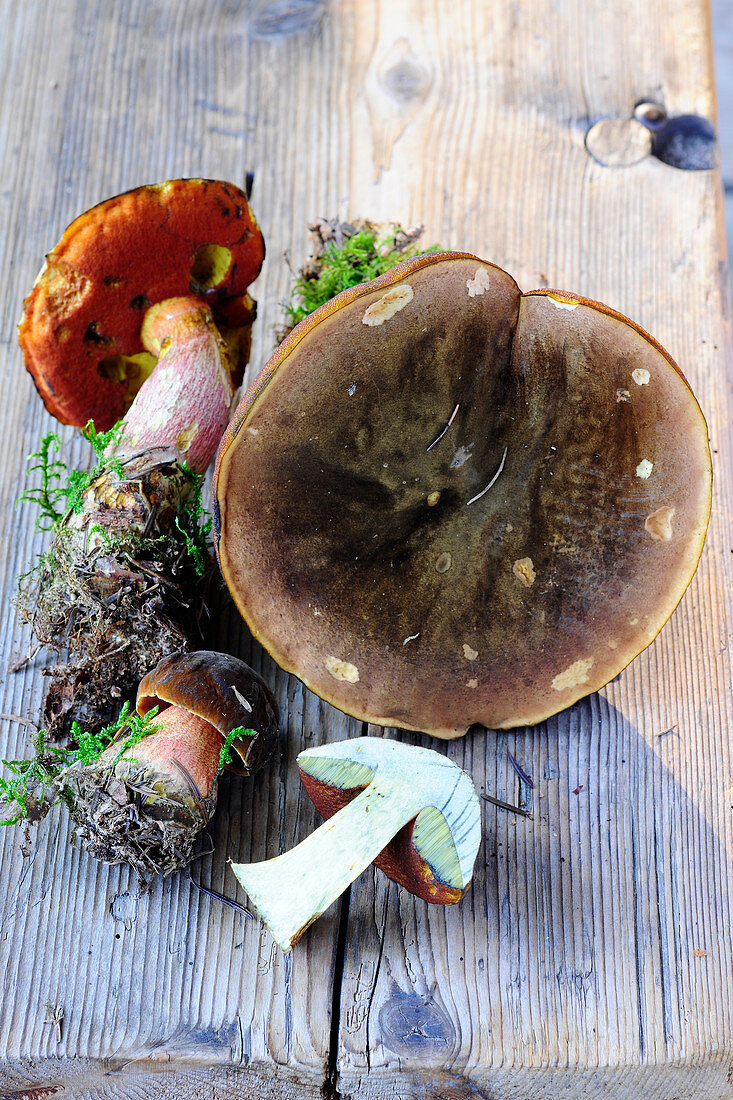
{"x":597,"y":936}
{"x":97,"y":98}
{"x":723,"y":53}
{"x":594,"y":952}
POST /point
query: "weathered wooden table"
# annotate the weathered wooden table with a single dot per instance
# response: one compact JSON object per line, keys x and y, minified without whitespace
{"x":594,"y":954}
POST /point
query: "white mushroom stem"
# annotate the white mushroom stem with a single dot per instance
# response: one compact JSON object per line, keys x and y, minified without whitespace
{"x":184,"y":405}
{"x":294,"y":889}
{"x":404,"y":782}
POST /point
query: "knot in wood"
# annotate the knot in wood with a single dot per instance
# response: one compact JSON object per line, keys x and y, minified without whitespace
{"x":286,"y":17}
{"x":618,"y":142}
{"x":415,"y":1025}
{"x":406,"y":80}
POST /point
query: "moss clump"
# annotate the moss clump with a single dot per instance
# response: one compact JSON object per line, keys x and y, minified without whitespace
{"x":344,"y":255}
{"x":122,"y":583}
{"x":41,"y":781}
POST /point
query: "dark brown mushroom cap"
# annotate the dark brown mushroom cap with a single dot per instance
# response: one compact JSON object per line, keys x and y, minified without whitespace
{"x":82,"y":320}
{"x":222,"y":690}
{"x":444,"y":502}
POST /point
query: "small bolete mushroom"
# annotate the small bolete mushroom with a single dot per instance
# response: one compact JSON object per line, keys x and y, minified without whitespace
{"x":220,"y":690}
{"x":445,"y":502}
{"x":145,"y":804}
{"x":411,"y":811}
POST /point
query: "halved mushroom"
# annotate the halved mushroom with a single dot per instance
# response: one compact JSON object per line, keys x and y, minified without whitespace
{"x":410,"y":810}
{"x":445,"y":502}
{"x":82,"y":322}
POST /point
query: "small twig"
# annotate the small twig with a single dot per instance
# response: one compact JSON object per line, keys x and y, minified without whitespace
{"x":150,"y":521}
{"x":493,"y":480}
{"x":220,"y":897}
{"x":445,"y":429}
{"x":520,"y":771}
{"x":17,"y":666}
{"x":17,"y":718}
{"x":507,"y":805}
{"x":54,"y":1015}
{"x":666,"y":733}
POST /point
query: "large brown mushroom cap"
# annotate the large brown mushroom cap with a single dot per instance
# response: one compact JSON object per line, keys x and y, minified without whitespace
{"x":446,"y":503}
{"x":82,"y":321}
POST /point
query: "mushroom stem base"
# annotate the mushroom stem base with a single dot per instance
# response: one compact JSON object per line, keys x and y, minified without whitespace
{"x":118,"y":589}
{"x":146,"y":805}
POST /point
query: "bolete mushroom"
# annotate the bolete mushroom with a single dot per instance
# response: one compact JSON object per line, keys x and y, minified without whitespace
{"x":410,"y":810}
{"x":81,"y":332}
{"x":145,"y":804}
{"x":154,"y":278}
{"x":445,"y":502}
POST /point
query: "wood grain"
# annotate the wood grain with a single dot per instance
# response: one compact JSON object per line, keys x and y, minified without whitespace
{"x":593,"y":955}
{"x":722,"y":18}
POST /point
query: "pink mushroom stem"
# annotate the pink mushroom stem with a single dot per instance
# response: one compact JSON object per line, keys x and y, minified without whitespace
{"x":184,"y":404}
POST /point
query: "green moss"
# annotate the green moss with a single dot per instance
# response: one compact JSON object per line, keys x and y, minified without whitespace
{"x":62,"y":489}
{"x":49,"y":496}
{"x":355,"y":255}
{"x":225,"y":756}
{"x":38,"y":781}
{"x":194,"y":525}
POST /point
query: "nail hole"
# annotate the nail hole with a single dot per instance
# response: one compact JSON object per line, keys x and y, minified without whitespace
{"x":687,"y":142}
{"x":649,"y":112}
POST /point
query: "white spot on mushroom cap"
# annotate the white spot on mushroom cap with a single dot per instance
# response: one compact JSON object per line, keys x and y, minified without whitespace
{"x":574,"y":675}
{"x":659,"y":524}
{"x":641,"y":376}
{"x":342,"y":670}
{"x":469,"y":653}
{"x":411,"y":638}
{"x":622,"y":396}
{"x":472,"y":684}
{"x":479,"y":283}
{"x":253,"y":431}
{"x":644,"y":469}
{"x":443,"y":562}
{"x":523,"y":569}
{"x":389,"y":304}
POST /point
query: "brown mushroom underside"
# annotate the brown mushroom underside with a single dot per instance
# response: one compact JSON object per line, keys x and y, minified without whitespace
{"x":445,"y":502}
